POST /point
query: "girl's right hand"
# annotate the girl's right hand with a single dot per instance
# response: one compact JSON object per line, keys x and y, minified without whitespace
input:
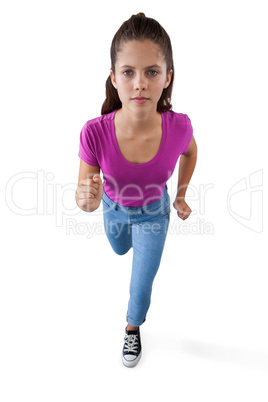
{"x":89,"y":193}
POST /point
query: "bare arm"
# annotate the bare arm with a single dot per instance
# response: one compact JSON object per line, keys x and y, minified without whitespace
{"x":89,"y":191}
{"x":186,"y":168}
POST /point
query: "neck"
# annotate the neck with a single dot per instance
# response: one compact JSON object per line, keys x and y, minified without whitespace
{"x":140,"y":121}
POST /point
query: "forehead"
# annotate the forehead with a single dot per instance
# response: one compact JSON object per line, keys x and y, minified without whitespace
{"x":140,"y":53}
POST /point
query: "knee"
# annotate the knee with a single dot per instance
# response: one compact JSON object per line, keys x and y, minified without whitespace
{"x":122,"y":252}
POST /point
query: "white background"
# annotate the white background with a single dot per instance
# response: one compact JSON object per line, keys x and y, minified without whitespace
{"x":63,"y":291}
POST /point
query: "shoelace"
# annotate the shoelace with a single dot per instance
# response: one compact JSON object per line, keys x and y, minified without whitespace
{"x":131,"y":343}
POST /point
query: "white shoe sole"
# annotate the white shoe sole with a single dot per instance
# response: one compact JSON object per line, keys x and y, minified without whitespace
{"x":132,"y":363}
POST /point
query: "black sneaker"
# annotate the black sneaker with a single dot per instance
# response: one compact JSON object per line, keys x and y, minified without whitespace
{"x":132,"y":348}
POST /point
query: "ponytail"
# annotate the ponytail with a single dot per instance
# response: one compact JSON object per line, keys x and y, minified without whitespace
{"x":112,"y":101}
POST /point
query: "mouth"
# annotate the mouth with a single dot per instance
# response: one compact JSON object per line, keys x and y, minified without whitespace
{"x":139,"y":99}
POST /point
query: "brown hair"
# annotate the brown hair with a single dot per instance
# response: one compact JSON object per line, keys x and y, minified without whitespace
{"x":139,"y":27}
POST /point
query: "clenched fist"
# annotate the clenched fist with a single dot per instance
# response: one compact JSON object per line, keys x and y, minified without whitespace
{"x":183,"y":209}
{"x":89,"y":193}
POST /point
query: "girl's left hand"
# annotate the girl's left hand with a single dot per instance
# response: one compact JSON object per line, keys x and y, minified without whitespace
{"x":183,"y":209}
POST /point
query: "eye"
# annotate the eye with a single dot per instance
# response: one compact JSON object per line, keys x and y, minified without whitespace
{"x":153,"y":71}
{"x":126,"y":72}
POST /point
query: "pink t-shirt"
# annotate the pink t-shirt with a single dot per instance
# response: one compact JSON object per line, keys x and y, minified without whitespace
{"x":134,"y":184}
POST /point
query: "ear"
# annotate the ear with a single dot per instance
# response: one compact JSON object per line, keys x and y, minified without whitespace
{"x":113,"y":79}
{"x":168,"y":79}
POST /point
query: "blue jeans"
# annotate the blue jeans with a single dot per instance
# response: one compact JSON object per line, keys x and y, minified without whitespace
{"x":145,"y":229}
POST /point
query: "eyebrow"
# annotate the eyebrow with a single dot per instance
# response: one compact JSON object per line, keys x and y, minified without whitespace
{"x":152,"y":66}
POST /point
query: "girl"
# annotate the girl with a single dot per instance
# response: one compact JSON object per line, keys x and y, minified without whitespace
{"x":136,"y":143}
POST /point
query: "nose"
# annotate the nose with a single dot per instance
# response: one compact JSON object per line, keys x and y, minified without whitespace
{"x":141,"y":83}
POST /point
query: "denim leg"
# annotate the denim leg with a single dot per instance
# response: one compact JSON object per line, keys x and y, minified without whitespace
{"x":119,"y":234}
{"x":148,"y":243}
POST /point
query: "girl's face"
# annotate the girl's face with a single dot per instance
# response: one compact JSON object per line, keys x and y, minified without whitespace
{"x":140,"y":71}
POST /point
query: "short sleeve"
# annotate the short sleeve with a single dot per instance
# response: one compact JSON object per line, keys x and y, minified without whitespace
{"x":188,"y":134}
{"x":86,"y":147}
